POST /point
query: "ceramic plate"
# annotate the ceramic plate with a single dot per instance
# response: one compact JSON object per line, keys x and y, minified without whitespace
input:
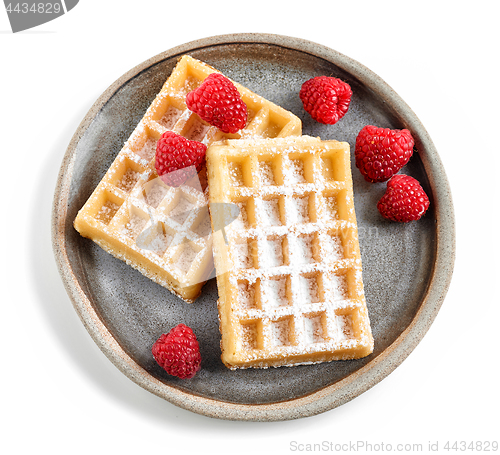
{"x":407,"y":267}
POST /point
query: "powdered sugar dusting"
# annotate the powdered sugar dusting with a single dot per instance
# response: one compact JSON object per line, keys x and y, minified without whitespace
{"x":327,"y":166}
{"x":339,"y":287}
{"x":160,"y":243}
{"x":181,"y":211}
{"x":274,"y":292}
{"x":155,"y":193}
{"x":281,"y":332}
{"x":154,"y":238}
{"x":303,"y":251}
{"x":190,"y":84}
{"x":134,"y":226}
{"x":343,"y":327}
{"x":270,"y":214}
{"x":235,"y":174}
{"x":128,"y":181}
{"x":313,"y":329}
{"x":246,"y":295}
{"x":185,"y":258}
{"x":197,"y":132}
{"x":249,"y":336}
{"x":333,"y":248}
{"x":299,"y":210}
{"x":204,"y":226}
{"x":272,"y":254}
{"x":241,"y":222}
{"x":266,"y":173}
{"x":296,"y":174}
{"x":170,"y":117}
{"x":148,"y":150}
{"x":309,"y":289}
{"x":242,"y":254}
{"x":107,"y":212}
{"x":331,"y":207}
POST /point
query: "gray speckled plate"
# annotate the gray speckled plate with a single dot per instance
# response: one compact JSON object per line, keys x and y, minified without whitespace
{"x":407,"y":267}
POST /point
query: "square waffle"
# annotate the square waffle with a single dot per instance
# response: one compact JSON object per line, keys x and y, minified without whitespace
{"x":161,"y":231}
{"x":289,"y":267}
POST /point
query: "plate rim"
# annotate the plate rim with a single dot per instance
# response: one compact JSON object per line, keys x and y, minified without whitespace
{"x":330,"y":396}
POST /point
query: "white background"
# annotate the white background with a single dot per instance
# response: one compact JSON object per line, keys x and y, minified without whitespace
{"x":61,"y":395}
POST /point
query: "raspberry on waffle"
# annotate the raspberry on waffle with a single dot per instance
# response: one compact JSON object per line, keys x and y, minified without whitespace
{"x":218,"y":102}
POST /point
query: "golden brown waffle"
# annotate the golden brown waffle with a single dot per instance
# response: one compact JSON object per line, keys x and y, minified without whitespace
{"x":289,"y":274}
{"x":175,"y":251}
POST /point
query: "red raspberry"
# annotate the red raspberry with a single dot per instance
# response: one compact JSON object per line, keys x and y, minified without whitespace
{"x":174,"y":152}
{"x":326,"y":98}
{"x":405,"y":200}
{"x":178,"y":352}
{"x":380,"y":152}
{"x":218,"y":102}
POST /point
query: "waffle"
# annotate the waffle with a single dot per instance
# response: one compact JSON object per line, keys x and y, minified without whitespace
{"x":161,"y":231}
{"x":289,"y":267}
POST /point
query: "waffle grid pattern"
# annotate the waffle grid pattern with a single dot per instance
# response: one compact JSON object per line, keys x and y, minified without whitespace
{"x":131,"y":199}
{"x":293,"y":291}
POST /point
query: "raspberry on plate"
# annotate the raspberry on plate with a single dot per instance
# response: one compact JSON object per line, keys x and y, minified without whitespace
{"x":218,"y":102}
{"x":178,"y":352}
{"x":175,"y":152}
{"x":404,"y":201}
{"x":326,"y":98}
{"x":381,"y":152}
